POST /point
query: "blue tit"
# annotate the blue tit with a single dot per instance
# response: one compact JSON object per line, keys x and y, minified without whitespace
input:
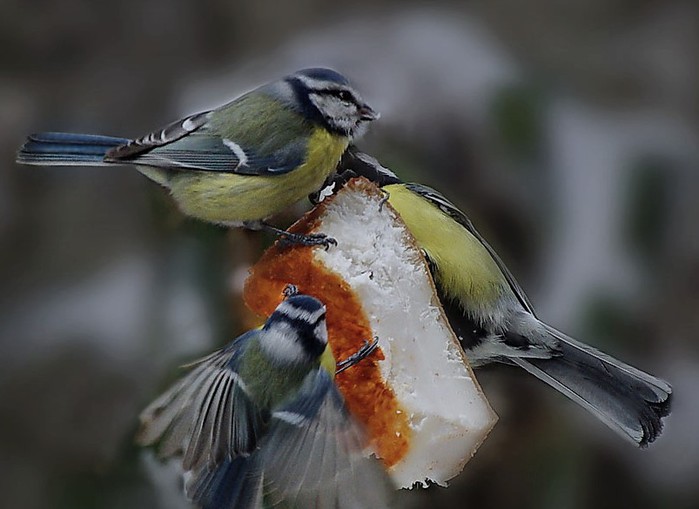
{"x":261,"y":422}
{"x":240,"y":163}
{"x":495,"y":321}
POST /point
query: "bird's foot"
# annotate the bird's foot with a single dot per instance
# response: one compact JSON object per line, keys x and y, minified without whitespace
{"x":364,"y":351}
{"x":290,"y":290}
{"x":287,"y":239}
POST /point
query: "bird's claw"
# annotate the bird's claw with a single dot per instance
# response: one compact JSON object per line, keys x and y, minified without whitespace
{"x":364,"y":351}
{"x":287,"y":239}
{"x":290,"y":290}
{"x":386,"y":196}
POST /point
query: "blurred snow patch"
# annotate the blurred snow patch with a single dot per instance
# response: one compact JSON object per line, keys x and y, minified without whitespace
{"x":590,"y":153}
{"x":673,"y":462}
{"x":166,"y":478}
{"x":109,"y":308}
{"x":122,"y":310}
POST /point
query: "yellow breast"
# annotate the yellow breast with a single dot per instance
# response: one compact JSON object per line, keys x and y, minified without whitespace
{"x":230,"y":198}
{"x":327,"y":361}
{"x":465,"y":269}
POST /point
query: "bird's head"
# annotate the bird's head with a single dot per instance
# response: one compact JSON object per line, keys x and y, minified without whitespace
{"x":296,"y":332}
{"x":326,"y":97}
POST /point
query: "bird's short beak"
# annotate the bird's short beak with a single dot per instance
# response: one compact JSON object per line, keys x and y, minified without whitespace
{"x":367,"y":113}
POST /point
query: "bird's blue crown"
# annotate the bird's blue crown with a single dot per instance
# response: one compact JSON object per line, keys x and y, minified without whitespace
{"x":323,"y":74}
{"x":306,"y":317}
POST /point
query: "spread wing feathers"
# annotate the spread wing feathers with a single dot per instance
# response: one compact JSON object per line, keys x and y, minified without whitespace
{"x":313,"y":454}
{"x":192,"y":144}
{"x":452,"y":211}
{"x":207,"y":415}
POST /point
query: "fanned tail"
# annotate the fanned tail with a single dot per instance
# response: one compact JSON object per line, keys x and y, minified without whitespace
{"x":67,"y":149}
{"x":626,"y":399}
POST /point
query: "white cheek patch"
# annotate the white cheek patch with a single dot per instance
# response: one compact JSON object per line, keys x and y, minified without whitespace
{"x":339,"y":115}
{"x":321,"y":333}
{"x":280,"y":342}
{"x":237,"y":150}
{"x":319,"y":102}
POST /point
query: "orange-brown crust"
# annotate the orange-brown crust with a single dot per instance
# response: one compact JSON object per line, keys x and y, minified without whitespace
{"x":368,"y":397}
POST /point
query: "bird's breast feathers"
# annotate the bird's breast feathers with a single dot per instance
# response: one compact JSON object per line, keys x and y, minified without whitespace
{"x":464,"y":268}
{"x":229,"y":198}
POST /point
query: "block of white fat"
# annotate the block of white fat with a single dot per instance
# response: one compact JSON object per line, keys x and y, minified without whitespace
{"x":424,"y":364}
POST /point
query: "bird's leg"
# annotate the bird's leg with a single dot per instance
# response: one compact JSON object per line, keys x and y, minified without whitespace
{"x":287,"y":239}
{"x":364,"y":351}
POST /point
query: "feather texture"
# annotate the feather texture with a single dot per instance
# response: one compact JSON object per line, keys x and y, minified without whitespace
{"x":67,"y":149}
{"x":257,"y":427}
{"x":207,"y":415}
{"x":311,"y":456}
{"x":240,"y":163}
{"x":496,"y":322}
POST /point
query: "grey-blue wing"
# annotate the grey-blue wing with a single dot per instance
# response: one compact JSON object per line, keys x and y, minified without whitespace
{"x":313,"y":454}
{"x":191,"y":144}
{"x":162,"y":137}
{"x":207,"y":416}
{"x":234,"y":484}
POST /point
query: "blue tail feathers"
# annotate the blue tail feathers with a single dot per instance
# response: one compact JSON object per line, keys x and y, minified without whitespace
{"x":67,"y":149}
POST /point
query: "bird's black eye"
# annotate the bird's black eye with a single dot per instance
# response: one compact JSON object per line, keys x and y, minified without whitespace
{"x":342,"y":95}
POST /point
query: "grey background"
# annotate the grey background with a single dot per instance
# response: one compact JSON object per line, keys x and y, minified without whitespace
{"x":568,"y":132}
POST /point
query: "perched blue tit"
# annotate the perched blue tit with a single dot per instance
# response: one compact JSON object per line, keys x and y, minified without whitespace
{"x":261,"y":423}
{"x":240,"y":163}
{"x":495,"y":321}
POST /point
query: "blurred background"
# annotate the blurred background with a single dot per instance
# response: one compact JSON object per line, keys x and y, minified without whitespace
{"x":567,"y":130}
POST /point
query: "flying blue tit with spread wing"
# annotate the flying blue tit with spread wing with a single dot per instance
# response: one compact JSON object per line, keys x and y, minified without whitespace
{"x":240,"y":163}
{"x":495,"y":321}
{"x":261,"y":423}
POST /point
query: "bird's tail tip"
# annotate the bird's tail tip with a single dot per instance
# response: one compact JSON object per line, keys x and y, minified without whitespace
{"x":628,"y":400}
{"x":66,"y":149}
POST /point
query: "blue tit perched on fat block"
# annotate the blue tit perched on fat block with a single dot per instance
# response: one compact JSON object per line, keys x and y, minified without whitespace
{"x":495,"y":321}
{"x":261,"y":423}
{"x":240,"y":163}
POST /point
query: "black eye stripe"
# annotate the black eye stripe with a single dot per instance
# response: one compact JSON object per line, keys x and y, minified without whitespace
{"x":343,"y":95}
